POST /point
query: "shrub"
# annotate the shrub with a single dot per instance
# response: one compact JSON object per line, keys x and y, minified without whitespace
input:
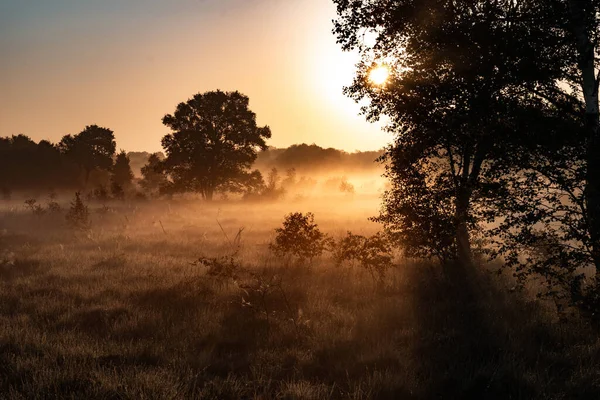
{"x":78,"y":216}
{"x":34,"y":207}
{"x":346,"y":187}
{"x":300,"y":237}
{"x":117,"y":190}
{"x":100,"y":193}
{"x":372,"y":253}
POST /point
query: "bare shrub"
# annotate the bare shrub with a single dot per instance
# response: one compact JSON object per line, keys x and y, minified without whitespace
{"x":300,"y":237}
{"x":372,"y":253}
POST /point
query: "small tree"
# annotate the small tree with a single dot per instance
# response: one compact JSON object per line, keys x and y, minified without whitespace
{"x":78,"y":216}
{"x":122,"y":176}
{"x":153,"y":176}
{"x":300,"y":237}
{"x":273,"y":189}
{"x":93,"y":148}
{"x":372,"y":253}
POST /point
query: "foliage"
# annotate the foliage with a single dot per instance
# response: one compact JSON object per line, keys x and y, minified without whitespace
{"x":372,"y":253}
{"x":214,"y":142}
{"x":346,"y":187}
{"x":153,"y":177}
{"x":78,"y":216}
{"x":117,"y":190}
{"x":25,"y":164}
{"x":35,"y":208}
{"x":544,"y":229}
{"x":100,"y":193}
{"x":456,"y":78}
{"x":93,"y":148}
{"x":122,"y":176}
{"x":300,"y":237}
{"x":274,"y":188}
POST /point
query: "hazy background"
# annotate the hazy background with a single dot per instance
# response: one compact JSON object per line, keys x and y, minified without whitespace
{"x":123,"y":64}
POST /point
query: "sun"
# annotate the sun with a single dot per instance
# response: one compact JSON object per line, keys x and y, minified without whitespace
{"x":379,"y":75}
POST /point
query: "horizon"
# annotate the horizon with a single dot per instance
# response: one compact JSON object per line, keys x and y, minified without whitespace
{"x":124,"y":65}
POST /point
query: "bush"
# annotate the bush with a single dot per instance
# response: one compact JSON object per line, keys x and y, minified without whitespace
{"x":100,"y":193}
{"x":372,"y":253}
{"x":35,"y":208}
{"x":300,"y":237}
{"x":78,"y":216}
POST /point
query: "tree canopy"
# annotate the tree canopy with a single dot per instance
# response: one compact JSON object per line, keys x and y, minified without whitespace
{"x":460,"y":72}
{"x":93,"y":148}
{"x":214,"y":142}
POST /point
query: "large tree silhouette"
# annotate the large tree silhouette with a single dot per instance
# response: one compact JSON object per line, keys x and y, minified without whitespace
{"x":214,"y":142}
{"x":93,"y":148}
{"x":460,"y":70}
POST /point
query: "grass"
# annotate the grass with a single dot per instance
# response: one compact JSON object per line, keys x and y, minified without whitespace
{"x":123,"y":313}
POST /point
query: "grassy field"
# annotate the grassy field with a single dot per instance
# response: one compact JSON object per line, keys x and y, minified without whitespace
{"x":124,"y":312}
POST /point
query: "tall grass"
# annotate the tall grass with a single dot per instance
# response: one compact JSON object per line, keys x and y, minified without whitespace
{"x":125,"y":312}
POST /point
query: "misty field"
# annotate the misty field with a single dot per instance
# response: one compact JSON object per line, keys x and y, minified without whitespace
{"x":126,"y":311}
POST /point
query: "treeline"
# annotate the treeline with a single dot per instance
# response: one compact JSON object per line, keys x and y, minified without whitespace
{"x":306,"y":158}
{"x":85,"y":160}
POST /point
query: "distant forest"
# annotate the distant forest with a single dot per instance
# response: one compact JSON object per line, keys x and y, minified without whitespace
{"x":29,"y":165}
{"x":304,"y":158}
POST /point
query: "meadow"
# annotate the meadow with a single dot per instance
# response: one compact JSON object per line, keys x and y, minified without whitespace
{"x":126,"y":311}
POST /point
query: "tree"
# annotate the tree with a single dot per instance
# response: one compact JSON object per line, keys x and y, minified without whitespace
{"x":214,"y":142}
{"x":153,"y":177}
{"x":122,"y":176}
{"x":583,"y":23}
{"x":93,"y":148}
{"x":456,"y":78}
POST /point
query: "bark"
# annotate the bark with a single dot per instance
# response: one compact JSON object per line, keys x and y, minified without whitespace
{"x":589,"y":84}
{"x":208,"y":194}
{"x":463,"y":240}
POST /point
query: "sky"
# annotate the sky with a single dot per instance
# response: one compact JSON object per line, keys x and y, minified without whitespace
{"x":124,"y":64}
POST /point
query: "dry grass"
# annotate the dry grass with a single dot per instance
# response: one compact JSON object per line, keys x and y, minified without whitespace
{"x":123,"y":313}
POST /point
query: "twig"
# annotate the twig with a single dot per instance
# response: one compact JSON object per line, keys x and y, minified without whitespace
{"x":223,"y":230}
{"x":161,"y":225}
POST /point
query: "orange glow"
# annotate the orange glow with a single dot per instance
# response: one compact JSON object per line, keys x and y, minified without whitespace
{"x":379,"y":75}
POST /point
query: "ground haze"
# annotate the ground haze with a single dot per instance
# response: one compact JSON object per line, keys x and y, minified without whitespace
{"x":123,"y":311}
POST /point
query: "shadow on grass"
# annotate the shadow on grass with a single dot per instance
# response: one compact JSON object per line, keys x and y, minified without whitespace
{"x":477,"y":341}
{"x":18,"y":269}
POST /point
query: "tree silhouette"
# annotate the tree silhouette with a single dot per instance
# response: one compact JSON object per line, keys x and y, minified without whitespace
{"x":121,"y":171}
{"x":583,"y":23}
{"x":214,"y":142}
{"x":91,"y":149}
{"x":459,"y":71}
{"x":153,"y":177}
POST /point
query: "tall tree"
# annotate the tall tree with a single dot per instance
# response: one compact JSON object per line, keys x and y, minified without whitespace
{"x":584,"y":24}
{"x":92,"y":148}
{"x":214,"y":142}
{"x":458,"y":70}
{"x":121,"y":171}
{"x":122,"y":176}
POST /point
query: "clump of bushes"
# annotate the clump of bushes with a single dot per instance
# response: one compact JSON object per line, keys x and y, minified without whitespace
{"x":78,"y":216}
{"x":35,"y":208}
{"x":300,"y":237}
{"x":372,"y":253}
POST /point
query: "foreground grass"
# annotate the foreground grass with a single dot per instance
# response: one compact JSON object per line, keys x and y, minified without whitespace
{"x":123,"y":313}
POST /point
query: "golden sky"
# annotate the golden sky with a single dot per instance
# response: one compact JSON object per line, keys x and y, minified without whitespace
{"x":123,"y":64}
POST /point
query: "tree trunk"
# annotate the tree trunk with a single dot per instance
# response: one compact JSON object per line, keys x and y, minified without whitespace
{"x":589,"y":85}
{"x":463,"y":240}
{"x":208,"y":194}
